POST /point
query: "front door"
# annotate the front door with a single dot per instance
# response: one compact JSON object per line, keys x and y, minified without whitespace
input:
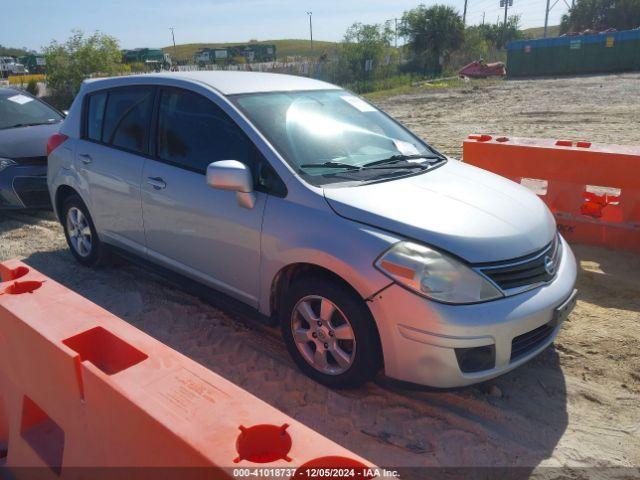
{"x":190,"y":227}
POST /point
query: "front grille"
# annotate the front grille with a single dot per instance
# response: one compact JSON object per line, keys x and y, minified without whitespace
{"x":527,"y":342}
{"x":31,"y":160}
{"x":528,"y":271}
{"x":32,"y":191}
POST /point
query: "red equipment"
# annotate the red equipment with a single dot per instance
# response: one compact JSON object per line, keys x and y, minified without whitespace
{"x":480,"y":69}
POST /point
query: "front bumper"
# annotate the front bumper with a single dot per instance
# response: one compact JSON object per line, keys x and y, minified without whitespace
{"x":24,"y":186}
{"x":419,"y":337}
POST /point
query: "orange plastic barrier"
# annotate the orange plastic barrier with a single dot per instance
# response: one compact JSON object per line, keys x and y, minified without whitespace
{"x":592,"y":189}
{"x":82,"y":388}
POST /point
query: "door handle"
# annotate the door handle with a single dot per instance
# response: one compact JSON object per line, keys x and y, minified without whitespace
{"x":86,"y":158}
{"x":157,"y":183}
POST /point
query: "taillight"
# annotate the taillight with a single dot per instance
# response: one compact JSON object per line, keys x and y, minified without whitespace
{"x":54,"y":142}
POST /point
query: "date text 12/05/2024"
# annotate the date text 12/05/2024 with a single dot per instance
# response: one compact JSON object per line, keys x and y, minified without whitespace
{"x":312,"y":473}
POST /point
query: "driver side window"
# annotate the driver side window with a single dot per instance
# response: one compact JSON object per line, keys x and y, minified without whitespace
{"x":193,"y":132}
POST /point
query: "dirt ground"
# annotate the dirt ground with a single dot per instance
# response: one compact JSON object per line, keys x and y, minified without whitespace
{"x":576,"y":405}
{"x":603,"y":109}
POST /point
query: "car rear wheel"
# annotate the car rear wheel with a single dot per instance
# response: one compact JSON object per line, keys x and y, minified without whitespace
{"x":81,"y":234}
{"x":330,"y":333}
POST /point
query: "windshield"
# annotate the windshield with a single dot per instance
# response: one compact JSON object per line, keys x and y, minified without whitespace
{"x":323,"y":135}
{"x":18,"y":109}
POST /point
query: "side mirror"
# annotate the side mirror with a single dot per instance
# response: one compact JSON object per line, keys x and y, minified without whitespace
{"x":235,"y":176}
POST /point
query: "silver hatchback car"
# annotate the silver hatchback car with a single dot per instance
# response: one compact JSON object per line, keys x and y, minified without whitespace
{"x":369,"y":247}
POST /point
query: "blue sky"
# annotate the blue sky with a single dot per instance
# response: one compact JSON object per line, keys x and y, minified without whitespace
{"x":137,"y":23}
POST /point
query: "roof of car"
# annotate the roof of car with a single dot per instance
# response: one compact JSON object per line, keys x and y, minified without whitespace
{"x":234,"y":82}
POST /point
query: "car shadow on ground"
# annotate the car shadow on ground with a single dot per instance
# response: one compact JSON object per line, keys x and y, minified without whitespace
{"x":609,"y":279}
{"x":513,"y":421}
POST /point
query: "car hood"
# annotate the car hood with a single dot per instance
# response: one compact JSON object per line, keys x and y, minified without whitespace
{"x":459,"y":208}
{"x":24,"y":142}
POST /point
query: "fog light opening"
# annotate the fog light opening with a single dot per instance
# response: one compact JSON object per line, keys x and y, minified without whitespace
{"x":476,"y":359}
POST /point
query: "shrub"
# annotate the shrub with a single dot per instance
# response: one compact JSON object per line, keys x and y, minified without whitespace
{"x":32,"y":87}
{"x":70,"y":63}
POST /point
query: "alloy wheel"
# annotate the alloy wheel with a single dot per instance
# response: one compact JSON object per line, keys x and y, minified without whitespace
{"x":79,"y":232}
{"x":323,"y":335}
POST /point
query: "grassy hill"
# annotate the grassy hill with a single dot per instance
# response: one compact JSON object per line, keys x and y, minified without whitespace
{"x":302,"y":48}
{"x":13,"y":52}
{"x":538,"y":32}
{"x":284,"y":48}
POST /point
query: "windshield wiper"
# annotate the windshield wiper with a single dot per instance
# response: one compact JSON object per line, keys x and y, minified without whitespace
{"x":17,"y":125}
{"x":391,"y":161}
{"x":330,"y":165}
{"x":384,"y":164}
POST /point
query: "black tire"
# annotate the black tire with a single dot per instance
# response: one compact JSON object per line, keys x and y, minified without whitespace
{"x":367,"y":357}
{"x":98,"y":254}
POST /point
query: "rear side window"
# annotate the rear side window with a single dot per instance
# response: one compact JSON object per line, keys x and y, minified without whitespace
{"x":127,"y":118}
{"x":95,"y":115}
{"x":193,"y":132}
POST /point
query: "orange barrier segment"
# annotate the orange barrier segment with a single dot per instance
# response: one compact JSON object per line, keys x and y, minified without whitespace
{"x":592,"y":189}
{"x":83,"y":388}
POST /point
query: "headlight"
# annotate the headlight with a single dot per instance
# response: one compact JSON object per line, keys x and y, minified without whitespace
{"x":6,"y":162}
{"x":435,"y":275}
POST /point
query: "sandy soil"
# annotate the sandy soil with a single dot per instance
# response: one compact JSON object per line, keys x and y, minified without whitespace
{"x":577,"y":404}
{"x":603,"y":109}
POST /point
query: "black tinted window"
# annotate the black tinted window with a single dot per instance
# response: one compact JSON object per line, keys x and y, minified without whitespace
{"x":95,"y":115}
{"x":127,"y":118}
{"x":193,"y":132}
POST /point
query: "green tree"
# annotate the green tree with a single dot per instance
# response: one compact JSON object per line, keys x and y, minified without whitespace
{"x":71,"y":62}
{"x":14,"y":52}
{"x":601,"y":14}
{"x":365,"y":53}
{"x":474,"y":47}
{"x":432,"y":33}
{"x":499,"y":34}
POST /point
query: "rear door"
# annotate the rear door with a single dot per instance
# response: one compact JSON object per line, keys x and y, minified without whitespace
{"x":110,"y":159}
{"x":190,"y":227}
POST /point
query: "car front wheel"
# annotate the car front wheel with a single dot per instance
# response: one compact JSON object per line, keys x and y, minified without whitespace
{"x":330,"y":333}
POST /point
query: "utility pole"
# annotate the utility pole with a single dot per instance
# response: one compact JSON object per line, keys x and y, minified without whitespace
{"x":310,"y":29}
{"x":395,"y":20}
{"x":506,"y":4}
{"x":173,"y":37}
{"x":549,"y":8}
{"x":546,"y":20}
{"x":483,"y":13}
{"x":464,"y":14}
{"x":506,"y":9}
